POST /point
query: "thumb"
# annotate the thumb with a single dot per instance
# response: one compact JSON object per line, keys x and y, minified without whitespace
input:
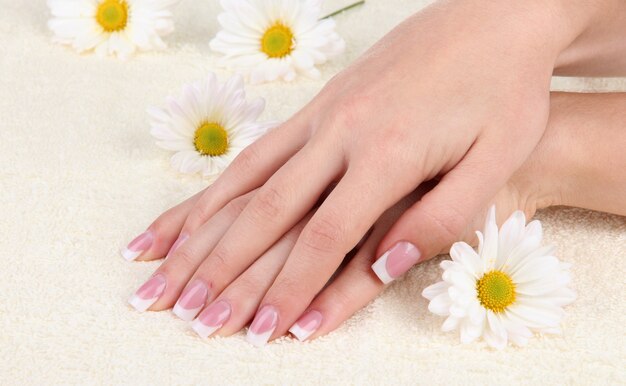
{"x":441,"y":217}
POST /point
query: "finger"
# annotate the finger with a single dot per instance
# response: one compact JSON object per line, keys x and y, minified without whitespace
{"x":355,"y":286}
{"x":250,"y":169}
{"x":235,"y":306}
{"x":352,"y":289}
{"x":442,"y":216}
{"x":165,"y":285}
{"x":157,"y":240}
{"x":337,"y":226}
{"x":276,"y":207}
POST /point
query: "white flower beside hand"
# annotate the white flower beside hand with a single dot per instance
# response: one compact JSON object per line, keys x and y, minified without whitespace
{"x":512,"y":287}
{"x":267,"y":40}
{"x":208,"y":125}
{"x":111,"y":27}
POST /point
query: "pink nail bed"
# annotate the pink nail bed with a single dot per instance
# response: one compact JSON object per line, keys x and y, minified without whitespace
{"x":181,"y":239}
{"x":263,"y":326}
{"x":148,"y":293}
{"x":191,"y":301}
{"x":396,"y":261}
{"x":212,"y":318}
{"x":306,"y":325}
{"x":139,"y":245}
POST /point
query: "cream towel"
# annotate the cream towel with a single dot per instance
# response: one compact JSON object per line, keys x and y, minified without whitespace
{"x":80,"y":175}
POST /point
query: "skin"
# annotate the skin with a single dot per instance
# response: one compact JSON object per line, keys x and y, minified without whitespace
{"x":568,"y":167}
{"x":477,"y":78}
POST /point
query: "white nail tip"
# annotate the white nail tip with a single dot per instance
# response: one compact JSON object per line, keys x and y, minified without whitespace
{"x":140,"y":304}
{"x":202,"y":329}
{"x":185,"y":314}
{"x":300,"y":333}
{"x":258,"y":340}
{"x":380,"y":269}
{"x":130,"y":255}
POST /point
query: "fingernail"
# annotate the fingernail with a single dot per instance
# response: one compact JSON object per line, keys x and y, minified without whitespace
{"x":139,"y":245}
{"x":191,"y":301}
{"x":211,"y":319}
{"x":263,"y":326}
{"x":306,"y":325}
{"x":181,"y":239}
{"x":396,"y":261}
{"x":148,"y":293}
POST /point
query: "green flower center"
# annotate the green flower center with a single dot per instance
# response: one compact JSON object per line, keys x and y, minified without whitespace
{"x":277,"y":41}
{"x":496,"y":291}
{"x":211,"y":139}
{"x":112,"y":15}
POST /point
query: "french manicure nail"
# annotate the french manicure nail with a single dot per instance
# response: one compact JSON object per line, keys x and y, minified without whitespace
{"x":211,"y":319}
{"x":148,"y":293}
{"x":191,"y":301}
{"x":139,"y":245}
{"x":396,"y":261}
{"x":263,"y":326}
{"x":306,"y":325}
{"x":179,"y":241}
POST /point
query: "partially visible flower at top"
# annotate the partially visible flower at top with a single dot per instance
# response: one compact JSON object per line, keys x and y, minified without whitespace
{"x":208,"y":125}
{"x":512,"y":287}
{"x":267,"y":40}
{"x":111,"y":27}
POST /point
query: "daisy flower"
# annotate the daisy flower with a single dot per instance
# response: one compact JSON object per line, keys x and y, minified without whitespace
{"x":513,"y":286}
{"x":208,"y":125}
{"x":268,"y":40}
{"x":111,"y":27}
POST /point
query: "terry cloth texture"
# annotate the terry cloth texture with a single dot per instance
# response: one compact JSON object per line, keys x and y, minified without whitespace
{"x":80,"y":175}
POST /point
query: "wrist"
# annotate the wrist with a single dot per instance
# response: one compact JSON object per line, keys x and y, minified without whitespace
{"x":545,"y":27}
{"x":579,"y":161}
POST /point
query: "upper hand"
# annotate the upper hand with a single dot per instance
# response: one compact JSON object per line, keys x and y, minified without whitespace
{"x":441,"y":96}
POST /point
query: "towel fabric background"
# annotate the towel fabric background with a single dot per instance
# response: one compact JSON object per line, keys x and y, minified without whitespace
{"x":80,"y":175}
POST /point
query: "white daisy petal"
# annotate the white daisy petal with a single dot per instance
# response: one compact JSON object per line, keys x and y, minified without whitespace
{"x":469,"y":332}
{"x":537,"y":313}
{"x":135,"y":25}
{"x":495,"y":334}
{"x":513,"y":286}
{"x":268,"y":40}
{"x":511,"y":233}
{"x":534,"y":269}
{"x":450,"y":324}
{"x":464,"y":254}
{"x":534,"y":229}
{"x":489,"y":251}
{"x":440,"y":305}
{"x":435,"y":290}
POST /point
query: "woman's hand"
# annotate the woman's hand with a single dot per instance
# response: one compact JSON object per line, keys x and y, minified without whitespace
{"x":578,"y":162}
{"x":459,"y":92}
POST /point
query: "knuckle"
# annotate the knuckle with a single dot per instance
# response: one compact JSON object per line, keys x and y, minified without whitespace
{"x":201,"y":212}
{"x":323,"y":234}
{"x":245,"y":285}
{"x":349,"y":110}
{"x":163,"y":224}
{"x":449,"y":224}
{"x":342,"y":297}
{"x":269,"y":204}
{"x":185,"y":256}
{"x":220,"y":260}
{"x":235,"y":207}
{"x":286,"y":290}
{"x":246,"y":161}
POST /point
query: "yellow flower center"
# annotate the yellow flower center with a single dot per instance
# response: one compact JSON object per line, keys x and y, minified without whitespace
{"x":496,"y":291}
{"x":277,"y":41}
{"x":112,"y":15}
{"x":211,"y":139}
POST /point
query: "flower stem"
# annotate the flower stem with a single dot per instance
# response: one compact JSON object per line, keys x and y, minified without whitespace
{"x":344,"y":9}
